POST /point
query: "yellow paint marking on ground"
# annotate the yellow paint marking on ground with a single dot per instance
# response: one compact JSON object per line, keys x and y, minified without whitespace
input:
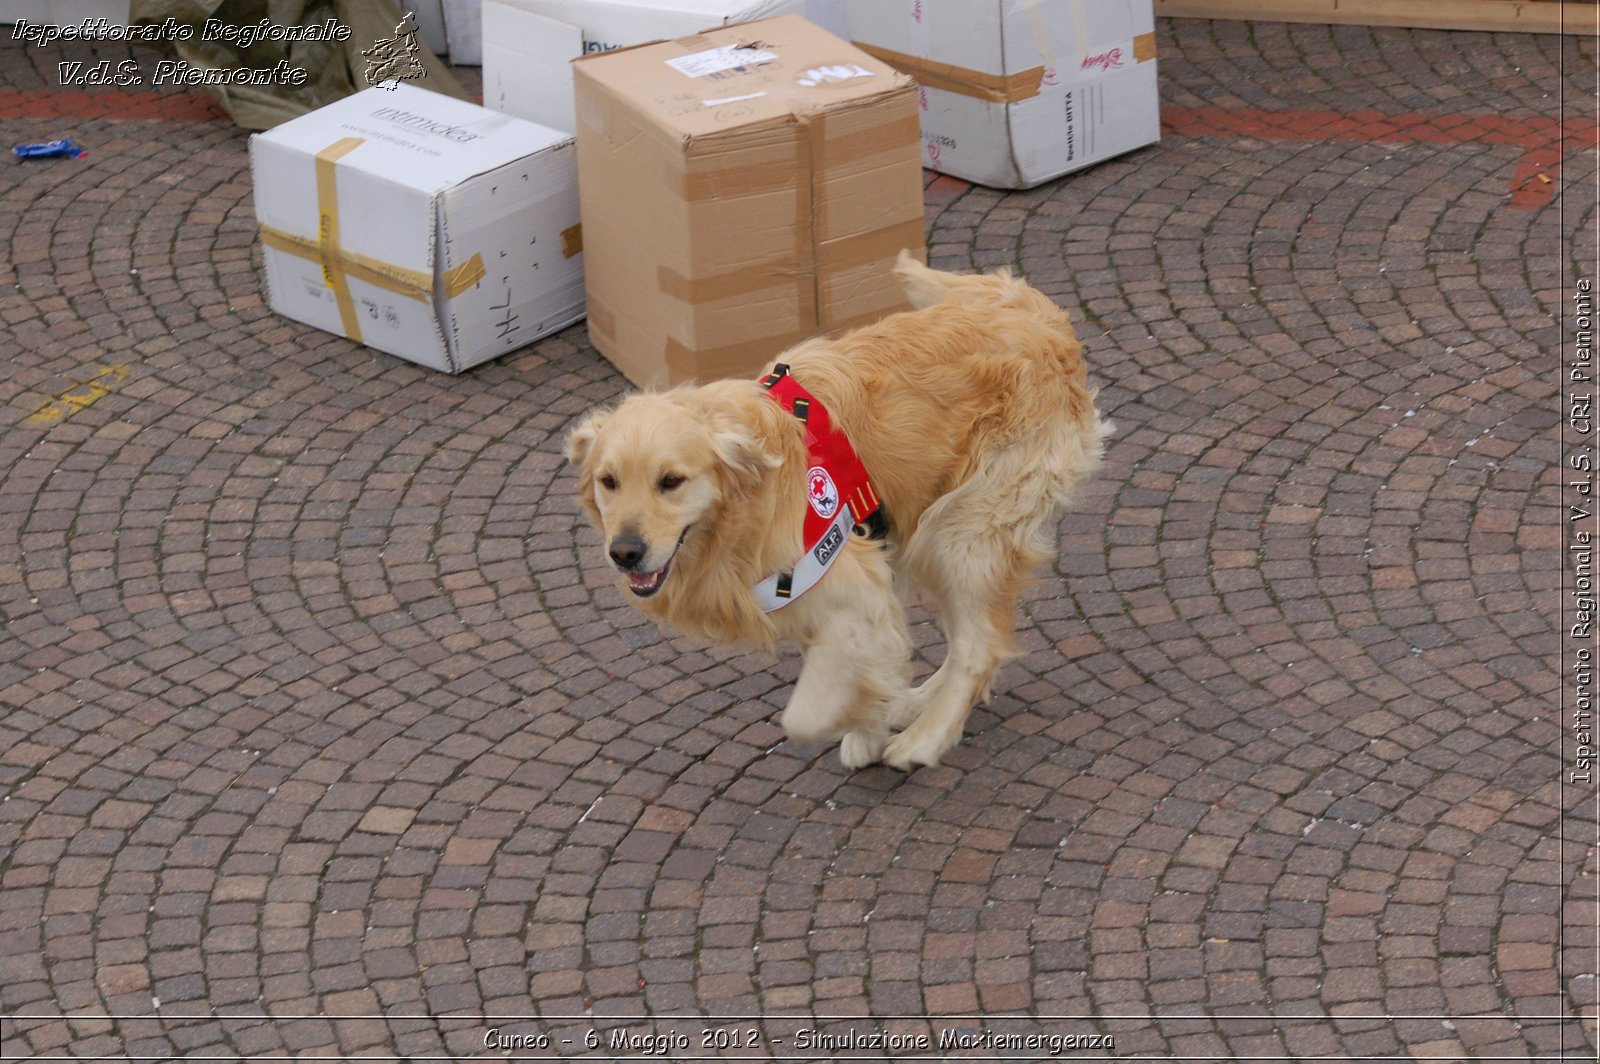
{"x":78,"y":396}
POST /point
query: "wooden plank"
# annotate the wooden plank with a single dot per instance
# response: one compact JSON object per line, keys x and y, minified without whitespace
{"x":1526,"y":16}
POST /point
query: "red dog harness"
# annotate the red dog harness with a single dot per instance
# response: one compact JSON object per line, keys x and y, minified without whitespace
{"x":839,"y":495}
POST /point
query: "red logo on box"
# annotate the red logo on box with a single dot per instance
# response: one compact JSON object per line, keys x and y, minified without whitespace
{"x":1111,"y":60}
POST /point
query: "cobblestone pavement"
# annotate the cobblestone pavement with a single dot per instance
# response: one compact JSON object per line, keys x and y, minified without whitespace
{"x":323,"y":732}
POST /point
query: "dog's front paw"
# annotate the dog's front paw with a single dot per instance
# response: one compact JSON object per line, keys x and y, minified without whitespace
{"x":862,"y":747}
{"x":916,"y":746}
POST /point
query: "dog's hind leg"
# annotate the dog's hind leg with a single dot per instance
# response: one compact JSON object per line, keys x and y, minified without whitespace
{"x":977,"y":608}
{"x":971,"y":554}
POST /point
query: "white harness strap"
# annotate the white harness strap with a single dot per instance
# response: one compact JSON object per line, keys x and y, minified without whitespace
{"x":780,"y":589}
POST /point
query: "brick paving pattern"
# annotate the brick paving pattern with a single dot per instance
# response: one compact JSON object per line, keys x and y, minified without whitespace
{"x":324,"y":733}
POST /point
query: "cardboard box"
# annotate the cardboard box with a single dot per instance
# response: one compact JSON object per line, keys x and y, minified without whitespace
{"x":1016,"y":94}
{"x":529,"y":45}
{"x":420,"y":225}
{"x":463,"y":31}
{"x":430,"y":24}
{"x":742,"y":190}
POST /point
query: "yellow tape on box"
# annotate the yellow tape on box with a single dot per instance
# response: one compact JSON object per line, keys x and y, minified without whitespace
{"x":339,"y":264}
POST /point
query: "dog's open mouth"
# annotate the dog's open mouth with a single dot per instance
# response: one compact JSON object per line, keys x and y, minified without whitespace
{"x":646,"y":584}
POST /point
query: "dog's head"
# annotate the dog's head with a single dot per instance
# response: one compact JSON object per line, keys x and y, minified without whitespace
{"x":658,"y":468}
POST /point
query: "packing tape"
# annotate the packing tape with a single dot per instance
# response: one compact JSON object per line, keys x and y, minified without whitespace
{"x":841,"y":149}
{"x":996,"y":88}
{"x":836,"y":329}
{"x":748,"y":357}
{"x":931,"y":74}
{"x":1080,"y":29}
{"x":413,"y":284}
{"x":572,"y":241}
{"x":328,"y":231}
{"x":792,"y":173}
{"x":862,"y":248}
{"x":732,"y":182}
{"x":745,"y":357}
{"x":1144,"y":45}
{"x":813,"y":153}
{"x":851,"y":144}
{"x":460,"y":278}
{"x":339,"y":263}
{"x":752,"y":277}
{"x":816,"y":154}
{"x":742,"y":359}
{"x":820,"y":151}
{"x":808,"y":296}
{"x":844,"y":253}
{"x":1041,"y":31}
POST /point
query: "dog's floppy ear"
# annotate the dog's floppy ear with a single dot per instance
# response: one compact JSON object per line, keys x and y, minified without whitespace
{"x":741,"y":452}
{"x":582,"y":437}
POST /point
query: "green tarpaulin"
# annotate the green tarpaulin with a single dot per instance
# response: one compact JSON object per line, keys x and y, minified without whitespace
{"x":333,"y":69}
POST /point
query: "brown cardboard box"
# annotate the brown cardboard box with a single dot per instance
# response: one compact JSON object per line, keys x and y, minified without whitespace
{"x":741,"y":190}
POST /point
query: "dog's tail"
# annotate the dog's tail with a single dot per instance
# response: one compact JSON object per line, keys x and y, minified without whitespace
{"x":925,"y":286}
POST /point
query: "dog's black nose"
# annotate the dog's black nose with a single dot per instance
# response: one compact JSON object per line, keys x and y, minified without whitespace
{"x":627,"y":551}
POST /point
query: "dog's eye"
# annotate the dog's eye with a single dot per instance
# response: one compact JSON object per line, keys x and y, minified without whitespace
{"x":608,"y":482}
{"x":670,"y":481}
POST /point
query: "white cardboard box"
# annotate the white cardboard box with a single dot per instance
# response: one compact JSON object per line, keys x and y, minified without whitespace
{"x":430,"y":24}
{"x":463,"y":30}
{"x":432,"y":229}
{"x":528,"y":45}
{"x":1016,"y":92}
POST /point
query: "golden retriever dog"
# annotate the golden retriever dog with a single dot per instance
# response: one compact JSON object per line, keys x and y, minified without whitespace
{"x":973,"y":417}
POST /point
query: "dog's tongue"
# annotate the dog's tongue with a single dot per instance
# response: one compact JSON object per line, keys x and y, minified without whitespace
{"x":643,"y":581}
